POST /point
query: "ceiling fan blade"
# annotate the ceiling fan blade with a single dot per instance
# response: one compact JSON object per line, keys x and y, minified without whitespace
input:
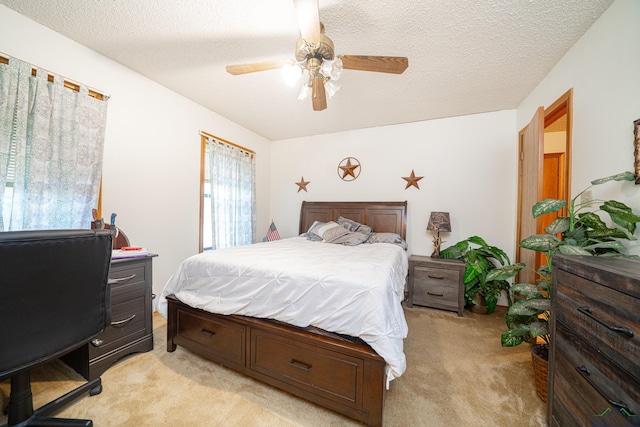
{"x":380,"y":64}
{"x":318,"y":94}
{"x":308,"y":20}
{"x":258,"y":66}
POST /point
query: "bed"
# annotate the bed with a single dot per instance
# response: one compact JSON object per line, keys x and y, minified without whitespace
{"x":296,"y":316}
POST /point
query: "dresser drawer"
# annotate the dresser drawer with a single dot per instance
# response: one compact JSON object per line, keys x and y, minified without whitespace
{"x":128,"y":319}
{"x":592,"y":310}
{"x":221,"y":340}
{"x":586,"y":383}
{"x":126,"y":273}
{"x":306,"y":367}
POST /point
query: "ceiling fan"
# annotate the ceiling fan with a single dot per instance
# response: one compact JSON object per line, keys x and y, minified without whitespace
{"x":315,"y":54}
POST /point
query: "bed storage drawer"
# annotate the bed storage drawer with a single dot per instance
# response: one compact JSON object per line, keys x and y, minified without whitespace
{"x":335,"y":372}
{"x":304,"y":366}
{"x":221,"y":340}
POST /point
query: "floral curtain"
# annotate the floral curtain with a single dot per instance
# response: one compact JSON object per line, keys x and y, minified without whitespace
{"x":54,"y":138}
{"x":233,"y":212}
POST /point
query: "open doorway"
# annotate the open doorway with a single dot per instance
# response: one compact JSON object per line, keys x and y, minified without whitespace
{"x":544,"y":171}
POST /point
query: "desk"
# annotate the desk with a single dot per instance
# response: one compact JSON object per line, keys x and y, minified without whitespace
{"x":131,"y":329}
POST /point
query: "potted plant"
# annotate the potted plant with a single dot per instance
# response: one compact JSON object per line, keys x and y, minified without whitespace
{"x":480,"y":294}
{"x":578,"y":233}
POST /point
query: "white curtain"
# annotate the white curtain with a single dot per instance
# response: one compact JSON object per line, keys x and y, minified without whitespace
{"x":233,"y":212}
{"x":54,"y":137}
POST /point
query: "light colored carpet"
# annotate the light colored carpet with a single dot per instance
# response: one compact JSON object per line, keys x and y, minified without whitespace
{"x":457,"y":375}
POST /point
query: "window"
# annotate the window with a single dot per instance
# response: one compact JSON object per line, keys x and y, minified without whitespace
{"x":227,"y":205}
{"x":51,"y":145}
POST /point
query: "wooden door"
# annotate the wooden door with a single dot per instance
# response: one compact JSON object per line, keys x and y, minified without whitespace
{"x":530,"y":190}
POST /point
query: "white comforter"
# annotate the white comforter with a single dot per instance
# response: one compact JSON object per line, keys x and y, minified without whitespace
{"x":352,"y":290}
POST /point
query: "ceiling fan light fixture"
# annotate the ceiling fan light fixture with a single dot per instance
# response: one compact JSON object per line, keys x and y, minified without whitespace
{"x":331,"y":68}
{"x":305,"y":91}
{"x":291,"y":72}
{"x":331,"y":87}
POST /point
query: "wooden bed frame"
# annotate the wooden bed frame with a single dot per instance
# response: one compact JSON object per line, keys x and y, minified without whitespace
{"x":334,"y":371}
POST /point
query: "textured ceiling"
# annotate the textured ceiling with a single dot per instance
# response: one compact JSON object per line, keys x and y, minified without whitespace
{"x":465,"y":56}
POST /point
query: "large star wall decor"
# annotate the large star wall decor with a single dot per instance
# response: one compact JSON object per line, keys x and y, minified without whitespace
{"x":349,"y":169}
{"x":302,"y":185}
{"x":412,"y":180}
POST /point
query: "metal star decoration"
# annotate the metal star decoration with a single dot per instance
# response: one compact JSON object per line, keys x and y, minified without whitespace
{"x":412,"y":180}
{"x":302,"y":185}
{"x":348,"y":169}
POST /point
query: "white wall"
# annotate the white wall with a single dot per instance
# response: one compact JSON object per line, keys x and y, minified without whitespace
{"x":468,"y":164}
{"x":152,"y":144}
{"x":602,"y":67}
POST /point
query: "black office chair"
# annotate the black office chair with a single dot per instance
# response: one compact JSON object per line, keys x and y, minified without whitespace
{"x":53,"y":298}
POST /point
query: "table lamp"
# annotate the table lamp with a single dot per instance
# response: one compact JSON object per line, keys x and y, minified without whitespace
{"x":438,"y":221}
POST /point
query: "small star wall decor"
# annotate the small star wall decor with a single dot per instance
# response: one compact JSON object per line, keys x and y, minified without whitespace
{"x":412,"y":180}
{"x":349,"y":169}
{"x":302,"y":185}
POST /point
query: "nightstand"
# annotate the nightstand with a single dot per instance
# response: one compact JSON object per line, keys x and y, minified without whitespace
{"x":436,"y":283}
{"x":131,"y":329}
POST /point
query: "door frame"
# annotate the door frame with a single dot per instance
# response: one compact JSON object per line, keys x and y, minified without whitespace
{"x":563,"y":105}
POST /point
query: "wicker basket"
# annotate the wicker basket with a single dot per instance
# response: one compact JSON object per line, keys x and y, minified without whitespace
{"x":540,"y":372}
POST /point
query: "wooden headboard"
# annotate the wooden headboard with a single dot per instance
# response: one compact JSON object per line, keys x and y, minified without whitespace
{"x":383,"y":217}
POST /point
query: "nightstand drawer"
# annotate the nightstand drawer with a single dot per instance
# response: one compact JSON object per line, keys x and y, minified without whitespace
{"x":438,"y":276}
{"x":439,"y":288}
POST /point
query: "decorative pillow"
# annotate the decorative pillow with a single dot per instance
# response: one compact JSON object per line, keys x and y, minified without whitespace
{"x":388,"y":238}
{"x":351,"y":239}
{"x":352,"y":225}
{"x":330,"y":234}
{"x":312,"y":232}
{"x":326,"y":231}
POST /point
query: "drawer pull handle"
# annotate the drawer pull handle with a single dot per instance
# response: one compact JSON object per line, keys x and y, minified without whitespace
{"x":622,"y":407}
{"x":435,"y":295}
{"x":300,"y":365}
{"x":435,"y":277}
{"x":96,"y":342}
{"x":587,"y":311}
{"x":121,"y":279}
{"x":207,"y":333}
{"x":122,"y":323}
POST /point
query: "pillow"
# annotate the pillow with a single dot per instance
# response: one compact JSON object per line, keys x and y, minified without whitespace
{"x":312,"y":231}
{"x":352,"y":225}
{"x":330,"y":234}
{"x":327,"y":231}
{"x":351,"y":239}
{"x":388,"y":238}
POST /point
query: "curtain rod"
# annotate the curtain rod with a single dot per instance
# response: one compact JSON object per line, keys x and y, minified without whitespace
{"x":4,"y":59}
{"x":203,"y":133}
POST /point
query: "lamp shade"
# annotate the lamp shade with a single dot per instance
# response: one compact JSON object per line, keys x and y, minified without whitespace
{"x":439,"y":221}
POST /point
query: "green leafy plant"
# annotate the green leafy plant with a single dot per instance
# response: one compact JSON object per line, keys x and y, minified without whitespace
{"x":479,"y":258}
{"x":578,"y":233}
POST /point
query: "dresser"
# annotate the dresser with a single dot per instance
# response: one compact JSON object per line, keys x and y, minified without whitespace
{"x":436,"y":283}
{"x":594,"y":359}
{"x":131,"y":328}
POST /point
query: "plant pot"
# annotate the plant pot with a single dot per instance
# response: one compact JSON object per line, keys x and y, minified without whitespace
{"x":539,"y":357}
{"x":481,"y":307}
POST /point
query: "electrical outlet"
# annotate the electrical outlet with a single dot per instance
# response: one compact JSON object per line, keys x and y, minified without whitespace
{"x":586,"y":197}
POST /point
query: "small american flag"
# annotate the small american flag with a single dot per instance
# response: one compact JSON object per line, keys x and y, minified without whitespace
{"x":272,"y":233}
